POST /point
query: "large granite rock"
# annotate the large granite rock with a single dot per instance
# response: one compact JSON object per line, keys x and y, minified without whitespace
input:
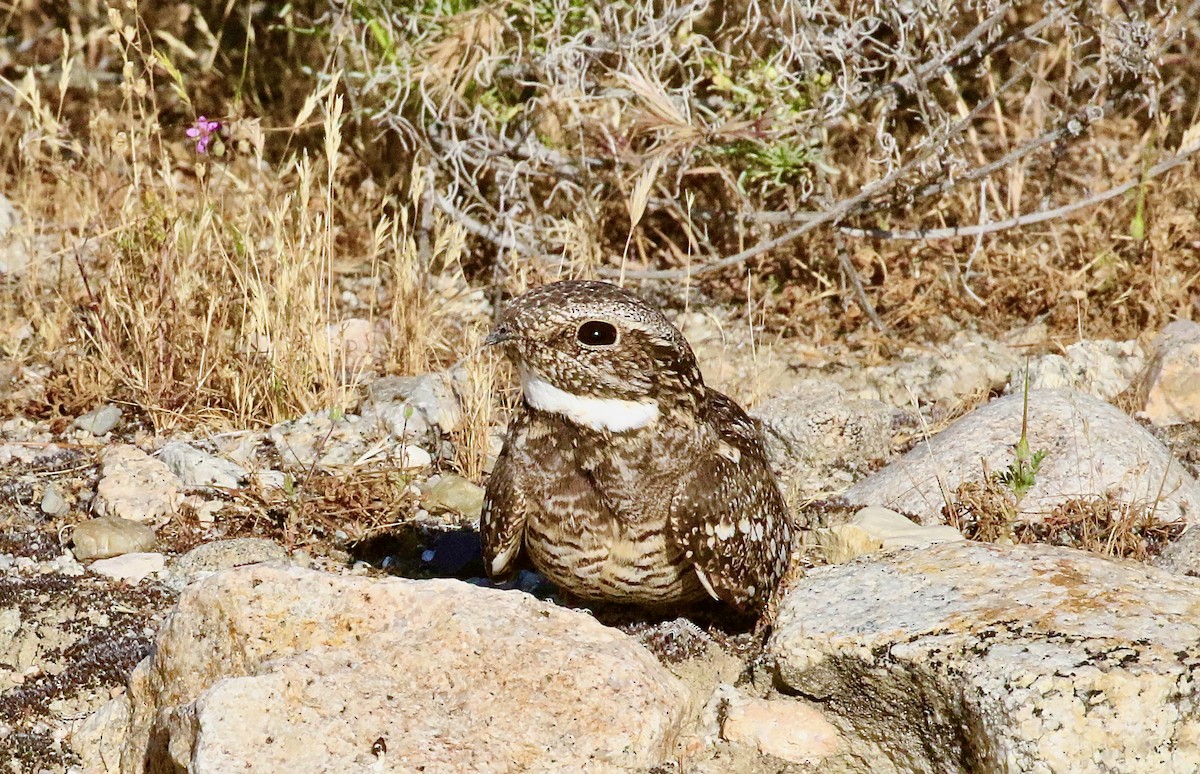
{"x":1092,"y":449}
{"x":196,"y":468}
{"x":819,"y":440}
{"x":269,"y":669}
{"x":968,"y":364}
{"x":1172,"y":383}
{"x":977,"y":657}
{"x":1099,"y":367}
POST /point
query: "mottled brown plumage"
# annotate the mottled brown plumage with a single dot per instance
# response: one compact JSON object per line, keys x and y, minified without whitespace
{"x":623,"y":477}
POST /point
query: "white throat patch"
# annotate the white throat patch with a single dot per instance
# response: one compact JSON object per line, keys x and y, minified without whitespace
{"x":611,"y":414}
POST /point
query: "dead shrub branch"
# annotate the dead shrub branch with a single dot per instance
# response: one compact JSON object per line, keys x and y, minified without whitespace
{"x":1031,"y":218}
{"x":775,"y":118}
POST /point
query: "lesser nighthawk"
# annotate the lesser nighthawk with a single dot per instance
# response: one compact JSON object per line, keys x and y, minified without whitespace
{"x":624,"y":477}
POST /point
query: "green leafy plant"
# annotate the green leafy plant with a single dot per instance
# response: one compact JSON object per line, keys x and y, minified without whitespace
{"x":773,"y":164}
{"x":1021,"y":473}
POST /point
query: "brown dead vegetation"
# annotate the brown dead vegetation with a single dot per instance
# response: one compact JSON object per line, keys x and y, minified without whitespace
{"x":1103,"y":524}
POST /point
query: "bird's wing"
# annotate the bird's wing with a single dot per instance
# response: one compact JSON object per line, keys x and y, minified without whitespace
{"x":505,"y":509}
{"x":729,"y":517}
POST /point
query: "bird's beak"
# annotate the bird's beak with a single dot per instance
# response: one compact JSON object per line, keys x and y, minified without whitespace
{"x":499,"y":335}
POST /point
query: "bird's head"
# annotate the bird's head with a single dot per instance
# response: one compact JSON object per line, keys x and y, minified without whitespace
{"x":597,"y":355}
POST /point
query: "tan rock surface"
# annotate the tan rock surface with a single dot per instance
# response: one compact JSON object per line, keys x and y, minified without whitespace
{"x":1173,"y":379}
{"x":133,"y":485}
{"x":818,"y":438}
{"x":975,"y":657}
{"x":267,"y":669}
{"x":110,"y":536}
{"x":785,"y":728}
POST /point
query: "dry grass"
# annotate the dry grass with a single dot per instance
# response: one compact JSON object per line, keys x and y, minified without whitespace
{"x":324,"y":510}
{"x":1103,"y":524}
{"x":212,"y":290}
{"x":472,"y":442}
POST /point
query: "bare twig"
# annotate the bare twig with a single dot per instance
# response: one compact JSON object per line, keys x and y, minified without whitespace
{"x":787,"y":218}
{"x":811,"y":220}
{"x":537,"y":169}
{"x":1029,"y":218}
{"x":914,"y":80}
{"x":1072,"y":127}
{"x":860,"y":293}
{"x":473,"y":226}
{"x":966,"y":270}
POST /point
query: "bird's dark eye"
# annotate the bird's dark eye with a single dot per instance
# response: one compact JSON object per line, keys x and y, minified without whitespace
{"x":596,"y":333}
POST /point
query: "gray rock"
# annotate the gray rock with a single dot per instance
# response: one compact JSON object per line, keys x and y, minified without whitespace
{"x":1172,"y":384}
{"x":354,"y":346}
{"x":14,"y":257}
{"x":271,"y":479}
{"x":455,"y":494}
{"x":205,"y":559}
{"x":196,"y":468}
{"x":97,"y":740}
{"x":131,"y":568}
{"x":25,"y":454}
{"x":405,"y":402}
{"x":977,"y":657}
{"x":134,"y":485}
{"x":9,"y":217}
{"x":1101,"y":368}
{"x":966,"y":365}
{"x":408,"y":457}
{"x":402,"y":420}
{"x":109,"y":536}
{"x":10,"y":624}
{"x":819,"y":440}
{"x":320,"y":439}
{"x":1181,"y":556}
{"x":264,"y":669}
{"x":1092,"y":449}
{"x":99,"y":420}
{"x":53,"y":503}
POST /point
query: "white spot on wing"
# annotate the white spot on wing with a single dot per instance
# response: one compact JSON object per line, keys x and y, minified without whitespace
{"x":725,"y":530}
{"x":704,"y":582}
{"x":501,"y":560}
{"x":611,"y":414}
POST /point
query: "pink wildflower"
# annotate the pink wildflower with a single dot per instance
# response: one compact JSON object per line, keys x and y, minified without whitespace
{"x":204,"y":132}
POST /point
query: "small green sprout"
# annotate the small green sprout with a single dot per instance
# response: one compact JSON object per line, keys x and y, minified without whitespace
{"x":1021,"y":474}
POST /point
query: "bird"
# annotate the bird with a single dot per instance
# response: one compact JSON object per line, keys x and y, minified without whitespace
{"x":623,"y":478}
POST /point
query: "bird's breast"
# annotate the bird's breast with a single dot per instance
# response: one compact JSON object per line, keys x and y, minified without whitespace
{"x":599,"y":524}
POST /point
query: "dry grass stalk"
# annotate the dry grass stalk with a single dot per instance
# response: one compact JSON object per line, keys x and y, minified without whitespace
{"x":214,"y":292}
